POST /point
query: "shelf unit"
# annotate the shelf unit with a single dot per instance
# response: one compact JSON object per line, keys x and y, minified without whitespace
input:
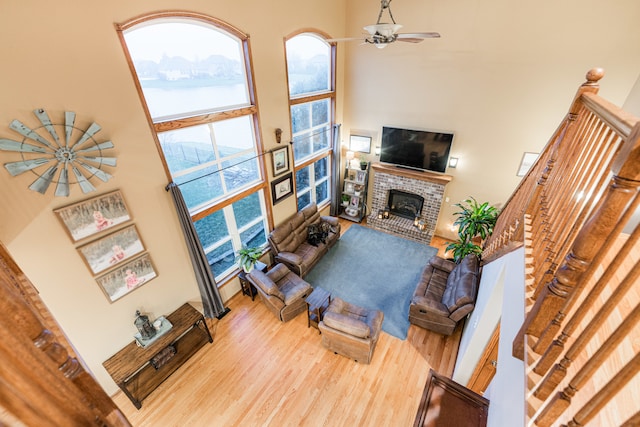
{"x":355,"y":186}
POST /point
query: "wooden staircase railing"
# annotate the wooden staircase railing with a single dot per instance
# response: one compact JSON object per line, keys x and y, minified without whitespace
{"x":577,"y":204}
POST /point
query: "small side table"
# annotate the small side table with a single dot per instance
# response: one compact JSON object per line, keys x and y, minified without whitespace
{"x":247,"y":288}
{"x":317,"y":304}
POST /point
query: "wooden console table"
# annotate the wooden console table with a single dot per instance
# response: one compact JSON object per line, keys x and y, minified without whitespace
{"x":131,"y":367}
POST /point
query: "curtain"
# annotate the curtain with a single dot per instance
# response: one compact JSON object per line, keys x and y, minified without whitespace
{"x":211,"y":299}
{"x":336,"y":190}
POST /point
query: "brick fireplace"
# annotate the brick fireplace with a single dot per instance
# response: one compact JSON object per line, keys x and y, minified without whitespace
{"x":426,"y":185}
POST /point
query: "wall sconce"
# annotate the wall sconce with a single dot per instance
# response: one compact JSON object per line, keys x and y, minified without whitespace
{"x":278,"y":135}
{"x":377,"y":150}
{"x":453,"y":162}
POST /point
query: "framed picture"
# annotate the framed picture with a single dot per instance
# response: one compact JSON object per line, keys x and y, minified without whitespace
{"x":360,"y":176}
{"x":280,"y":159}
{"x":282,"y":188}
{"x":528,"y":159}
{"x":349,"y":187}
{"x":95,"y":215}
{"x":360,"y":143}
{"x":131,"y":275}
{"x":111,"y":250}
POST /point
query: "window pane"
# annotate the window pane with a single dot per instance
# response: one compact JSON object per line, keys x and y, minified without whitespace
{"x":302,"y":179}
{"x":254,"y":236}
{"x":187,"y":68}
{"x":302,"y":147}
{"x":186,"y":148}
{"x":322,"y":191}
{"x":320,"y":112}
{"x":247,"y":210}
{"x":320,"y":169}
{"x":222,"y":259}
{"x":200,"y":187}
{"x":211,"y":229}
{"x":304,"y":200}
{"x":240,"y":171}
{"x":308,"y":64}
{"x":300,"y":118}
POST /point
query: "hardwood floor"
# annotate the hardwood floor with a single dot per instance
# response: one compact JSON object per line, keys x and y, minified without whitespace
{"x":261,"y":372}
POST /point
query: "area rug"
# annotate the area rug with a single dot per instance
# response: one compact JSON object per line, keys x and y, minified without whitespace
{"x":375,"y":270}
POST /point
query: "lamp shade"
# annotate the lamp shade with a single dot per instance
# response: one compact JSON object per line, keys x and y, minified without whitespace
{"x":350,"y":155}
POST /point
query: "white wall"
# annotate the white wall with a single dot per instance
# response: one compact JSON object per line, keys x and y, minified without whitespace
{"x":482,"y":321}
{"x":507,"y":390}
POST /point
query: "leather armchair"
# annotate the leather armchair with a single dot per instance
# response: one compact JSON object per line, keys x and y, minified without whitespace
{"x":281,"y":290}
{"x":350,"y":330}
{"x":445,"y":294}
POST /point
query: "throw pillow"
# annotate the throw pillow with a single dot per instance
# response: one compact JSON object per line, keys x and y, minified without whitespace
{"x":316,"y":234}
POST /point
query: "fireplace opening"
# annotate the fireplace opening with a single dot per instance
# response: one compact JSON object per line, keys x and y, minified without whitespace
{"x":406,"y":205}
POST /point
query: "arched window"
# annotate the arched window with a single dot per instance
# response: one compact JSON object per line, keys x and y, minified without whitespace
{"x":311,"y":74}
{"x":194,"y":76}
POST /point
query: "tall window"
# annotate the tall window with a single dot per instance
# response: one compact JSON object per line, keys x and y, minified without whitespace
{"x":311,"y":71}
{"x":195,"y":80}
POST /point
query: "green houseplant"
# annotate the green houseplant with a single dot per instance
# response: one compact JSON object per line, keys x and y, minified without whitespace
{"x":363,"y":162}
{"x":475,"y":223}
{"x":248,"y":257}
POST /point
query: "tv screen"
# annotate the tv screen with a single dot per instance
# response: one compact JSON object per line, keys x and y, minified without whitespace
{"x":416,"y":149}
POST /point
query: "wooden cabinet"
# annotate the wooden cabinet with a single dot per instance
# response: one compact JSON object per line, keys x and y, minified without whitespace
{"x":354,"y":193}
{"x":132,"y":368}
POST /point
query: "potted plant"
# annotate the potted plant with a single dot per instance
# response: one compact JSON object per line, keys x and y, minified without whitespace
{"x":345,"y":200}
{"x":248,"y":257}
{"x":475,"y":223}
{"x":363,"y":162}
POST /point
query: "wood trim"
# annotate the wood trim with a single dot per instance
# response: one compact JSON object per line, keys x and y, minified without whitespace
{"x":43,"y":383}
{"x":211,"y":117}
{"x":485,"y":369}
{"x":438,"y":178}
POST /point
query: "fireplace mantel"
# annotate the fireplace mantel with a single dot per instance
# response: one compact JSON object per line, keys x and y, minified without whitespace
{"x":438,"y":178}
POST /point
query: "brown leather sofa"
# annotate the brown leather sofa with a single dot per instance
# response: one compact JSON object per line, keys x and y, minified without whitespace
{"x":282,"y":291}
{"x":350,"y":330}
{"x":445,"y":294}
{"x":289,"y":243}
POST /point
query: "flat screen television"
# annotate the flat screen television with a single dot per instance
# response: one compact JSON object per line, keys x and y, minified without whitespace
{"x":415,"y":149}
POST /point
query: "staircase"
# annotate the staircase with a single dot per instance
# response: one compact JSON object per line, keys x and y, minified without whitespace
{"x":572,"y":219}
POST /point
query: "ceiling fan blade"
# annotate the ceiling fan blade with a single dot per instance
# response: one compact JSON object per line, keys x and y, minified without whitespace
{"x":346,"y":39}
{"x":418,"y":35}
{"x":410,"y":40}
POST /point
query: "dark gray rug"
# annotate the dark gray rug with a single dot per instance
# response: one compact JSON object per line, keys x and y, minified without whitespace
{"x":373,"y":269}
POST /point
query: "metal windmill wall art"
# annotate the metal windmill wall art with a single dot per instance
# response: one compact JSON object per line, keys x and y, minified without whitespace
{"x":73,"y":152}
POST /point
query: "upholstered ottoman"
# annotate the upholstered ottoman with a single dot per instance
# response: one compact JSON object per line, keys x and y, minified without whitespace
{"x":350,"y":330}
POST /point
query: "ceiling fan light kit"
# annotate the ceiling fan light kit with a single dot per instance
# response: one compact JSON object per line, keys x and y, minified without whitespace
{"x":381,"y":34}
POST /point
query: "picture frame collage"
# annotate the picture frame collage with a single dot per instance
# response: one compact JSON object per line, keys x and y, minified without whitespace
{"x":109,"y":243}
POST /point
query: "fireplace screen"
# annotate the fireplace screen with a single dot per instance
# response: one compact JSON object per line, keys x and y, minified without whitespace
{"x":406,"y":205}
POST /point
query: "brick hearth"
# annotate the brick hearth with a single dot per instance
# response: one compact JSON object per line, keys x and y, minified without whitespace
{"x":426,"y":184}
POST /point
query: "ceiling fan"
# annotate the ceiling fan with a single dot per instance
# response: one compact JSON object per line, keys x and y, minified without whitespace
{"x":381,"y":34}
